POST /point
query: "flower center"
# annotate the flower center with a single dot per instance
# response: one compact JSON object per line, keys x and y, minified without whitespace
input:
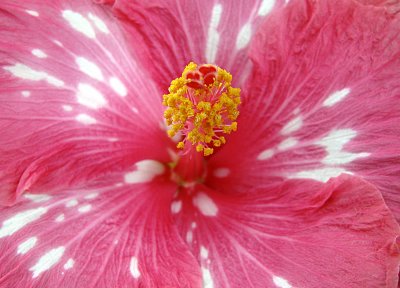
{"x":202,"y":105}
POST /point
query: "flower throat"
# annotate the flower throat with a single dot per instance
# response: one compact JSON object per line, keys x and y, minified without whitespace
{"x":202,"y":106}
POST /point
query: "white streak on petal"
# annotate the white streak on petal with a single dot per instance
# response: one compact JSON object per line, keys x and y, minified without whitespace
{"x":37,"y":197}
{"x":244,"y":36}
{"x":27,"y":245}
{"x":91,"y":195}
{"x":336,"y":97}
{"x":90,"y":97}
{"x":20,"y":220}
{"x":145,"y":172}
{"x":189,"y":236}
{"x":32,"y":13}
{"x":203,"y":252}
{"x":26,"y":93}
{"x":71,"y":203}
{"x":58,"y":43}
{"x":133,"y":267}
{"x":85,"y":208}
{"x":321,"y":174}
{"x":207,"y":280}
{"x":99,"y":23}
{"x":24,"y":72}
{"x":221,"y":172}
{"x":67,"y":108}
{"x":85,"y":119}
{"x":205,"y":204}
{"x":118,"y":86}
{"x":213,"y":35}
{"x":39,"y":53}
{"x":280,"y":282}
{"x":176,"y":207}
{"x":79,"y":23}
{"x":47,"y":261}
{"x":266,"y":154}
{"x":266,"y":7}
{"x":60,"y":218}
{"x":89,"y":68}
{"x":293,"y":125}
{"x":287,"y":143}
{"x":69,"y":264}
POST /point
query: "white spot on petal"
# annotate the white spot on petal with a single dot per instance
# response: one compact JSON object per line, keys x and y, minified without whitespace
{"x":91,"y":195}
{"x":32,"y":13}
{"x":221,"y":172}
{"x":203,"y":252}
{"x":207,"y":280}
{"x":336,"y":97}
{"x":39,"y":53}
{"x":293,"y":125}
{"x":89,"y":68}
{"x":85,"y":208}
{"x":287,"y":143}
{"x":60,"y":218}
{"x":145,"y":172}
{"x":71,"y":203}
{"x":79,"y":23}
{"x":118,"y":86}
{"x":321,"y":174}
{"x":99,"y":23}
{"x":27,"y":245}
{"x":90,"y":97}
{"x":266,"y":154}
{"x":85,"y":119}
{"x":280,"y":282}
{"x":67,"y":108}
{"x":47,"y":261}
{"x":69,"y":264}
{"x":37,"y":197}
{"x":133,"y":267}
{"x":205,"y":204}
{"x":266,"y":7}
{"x":213,"y":35}
{"x":26,"y":93}
{"x":176,"y":207}
{"x":189,"y":236}
{"x":24,"y":72}
{"x":244,"y":36}
{"x":58,"y":43}
{"x":20,"y":220}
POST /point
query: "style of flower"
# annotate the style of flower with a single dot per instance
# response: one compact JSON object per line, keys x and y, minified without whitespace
{"x":98,"y":195}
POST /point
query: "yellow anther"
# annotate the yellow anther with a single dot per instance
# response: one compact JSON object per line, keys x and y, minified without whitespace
{"x":202,"y":105}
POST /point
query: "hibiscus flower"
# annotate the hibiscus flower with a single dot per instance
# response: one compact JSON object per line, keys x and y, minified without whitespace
{"x":96,"y":194}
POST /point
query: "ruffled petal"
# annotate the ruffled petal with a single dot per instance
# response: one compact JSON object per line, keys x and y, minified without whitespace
{"x":169,"y":34}
{"x":301,"y":233}
{"x":116,"y":235}
{"x":322,"y":100}
{"x":74,"y":104}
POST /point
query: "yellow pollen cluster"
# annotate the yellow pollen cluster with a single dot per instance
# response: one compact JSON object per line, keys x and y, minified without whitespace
{"x":202,"y":105}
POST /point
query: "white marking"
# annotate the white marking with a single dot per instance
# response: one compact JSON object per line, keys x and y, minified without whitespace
{"x":90,"y":97}
{"x":27,"y":245}
{"x":79,"y":23}
{"x":20,"y":220}
{"x":71,"y":203}
{"x":203,"y":252}
{"x":99,"y":23}
{"x":207,"y":280}
{"x":266,"y":154}
{"x":60,"y":218}
{"x":85,"y":208}
{"x":321,"y":174}
{"x":112,"y":139}
{"x":89,"y":68}
{"x":24,"y":72}
{"x":287,"y":143}
{"x":47,"y":261}
{"x":58,"y":43}
{"x":205,"y":204}
{"x":266,"y":7}
{"x":91,"y":195}
{"x":336,"y":97}
{"x":39,"y":53}
{"x":293,"y":125}
{"x":67,"y":108}
{"x":334,"y":143}
{"x":213,"y":35}
{"x":118,"y":86}
{"x":222,"y":172}
{"x":69,"y":264}
{"x":32,"y":13}
{"x":85,"y":119}
{"x":37,"y":197}
{"x":176,"y":207}
{"x":194,"y":225}
{"x":135,"y":110}
{"x":189,"y":236}
{"x":26,"y":93}
{"x":280,"y":282}
{"x":133,"y":267}
{"x":145,"y":172}
{"x":244,"y":36}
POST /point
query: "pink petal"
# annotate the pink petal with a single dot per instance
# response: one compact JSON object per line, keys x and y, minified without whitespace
{"x":323,"y":100}
{"x":298,"y":234}
{"x":117,"y":235}
{"x":74,"y":104}
{"x":169,"y":34}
